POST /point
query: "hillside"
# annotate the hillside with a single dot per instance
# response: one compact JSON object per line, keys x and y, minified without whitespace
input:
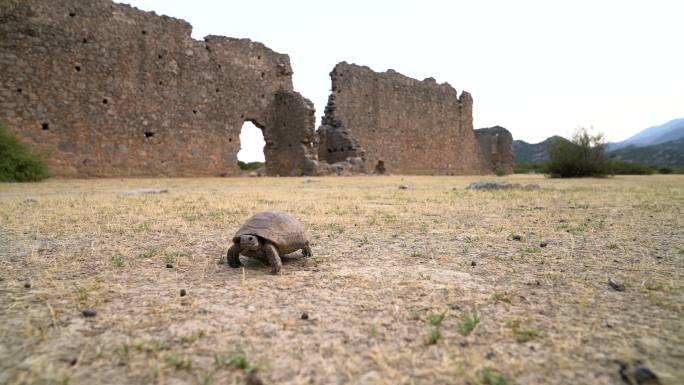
{"x":663,"y":133}
{"x":664,"y":154}
{"x":533,"y":152}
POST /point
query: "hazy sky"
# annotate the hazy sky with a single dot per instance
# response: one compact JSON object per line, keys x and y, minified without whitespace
{"x":536,"y":67}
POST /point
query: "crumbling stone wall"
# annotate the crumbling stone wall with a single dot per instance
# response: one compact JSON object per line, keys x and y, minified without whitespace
{"x":410,"y":126}
{"x":104,"y":89}
{"x":496,"y":147}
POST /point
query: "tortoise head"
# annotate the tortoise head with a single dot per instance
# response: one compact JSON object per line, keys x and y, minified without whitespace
{"x":249,"y":242}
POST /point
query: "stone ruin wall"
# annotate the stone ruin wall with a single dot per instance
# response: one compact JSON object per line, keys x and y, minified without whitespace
{"x":406,"y":125}
{"x":104,"y":89}
{"x":496,"y":145}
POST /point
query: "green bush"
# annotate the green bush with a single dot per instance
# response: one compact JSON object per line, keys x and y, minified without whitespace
{"x":17,"y":163}
{"x":249,"y":165}
{"x":582,"y":157}
{"x":620,"y":167}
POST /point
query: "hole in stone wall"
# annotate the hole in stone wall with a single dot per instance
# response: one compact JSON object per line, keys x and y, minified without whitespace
{"x":219,"y":66}
{"x":194,"y":111}
{"x":160,"y":82}
{"x":263,"y":96}
{"x":230,"y":139}
{"x":19,"y":90}
{"x":263,"y":74}
{"x":144,"y":32}
{"x":258,"y":57}
{"x":45,"y":126}
{"x":77,"y":68}
{"x":208,"y":49}
{"x":72,"y":14}
{"x":105,"y":101}
{"x":159,"y":56}
{"x":251,"y":143}
{"x":217,"y":90}
{"x":85,"y":40}
{"x":149,"y":134}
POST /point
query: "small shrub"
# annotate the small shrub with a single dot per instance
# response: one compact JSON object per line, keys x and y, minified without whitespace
{"x":178,"y":361}
{"x":239,"y":361}
{"x":436,"y":319}
{"x":434,"y":335}
{"x":489,"y":376}
{"x":620,"y":167}
{"x":17,"y":162}
{"x":248,"y":166}
{"x":584,"y":156}
{"x":468,"y":323}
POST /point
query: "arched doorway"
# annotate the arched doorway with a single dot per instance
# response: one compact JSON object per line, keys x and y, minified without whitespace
{"x":251,"y":154}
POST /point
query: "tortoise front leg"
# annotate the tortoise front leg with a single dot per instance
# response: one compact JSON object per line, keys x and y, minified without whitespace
{"x":273,"y":257}
{"x":306,"y":250}
{"x":234,"y":256}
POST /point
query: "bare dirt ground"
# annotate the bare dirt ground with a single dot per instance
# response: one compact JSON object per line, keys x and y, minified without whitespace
{"x":430,"y":285}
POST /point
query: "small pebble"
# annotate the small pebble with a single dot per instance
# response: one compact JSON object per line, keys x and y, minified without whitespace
{"x":169,"y":266}
{"x":183,"y":293}
{"x":403,"y":187}
{"x":473,"y":263}
{"x":490,"y":355}
{"x":644,"y":375}
{"x":89,"y":312}
{"x":463,"y":343}
{"x":618,"y":286}
{"x":543,"y":244}
{"x":516,"y":237}
{"x":305,"y":315}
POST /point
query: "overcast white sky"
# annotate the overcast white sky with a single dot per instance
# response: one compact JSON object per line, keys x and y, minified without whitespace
{"x":536,"y":67}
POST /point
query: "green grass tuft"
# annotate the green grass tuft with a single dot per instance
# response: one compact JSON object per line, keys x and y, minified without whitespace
{"x":468,"y":323}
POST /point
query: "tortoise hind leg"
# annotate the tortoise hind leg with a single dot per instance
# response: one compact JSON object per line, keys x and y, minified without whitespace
{"x":234,"y":256}
{"x":306,"y":250}
{"x":273,"y":257}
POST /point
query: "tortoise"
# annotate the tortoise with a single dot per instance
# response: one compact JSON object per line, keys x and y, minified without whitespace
{"x":268,"y":235}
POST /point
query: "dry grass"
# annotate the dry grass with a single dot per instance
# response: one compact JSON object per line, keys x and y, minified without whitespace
{"x":387,"y":264}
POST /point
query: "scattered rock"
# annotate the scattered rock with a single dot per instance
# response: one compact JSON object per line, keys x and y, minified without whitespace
{"x":463,"y":343}
{"x":169,"y":266}
{"x":496,"y":185}
{"x":253,"y":379}
{"x":516,"y":237}
{"x":142,"y":191}
{"x":305,"y":316}
{"x":73,"y":361}
{"x":617,"y":285}
{"x":89,"y":312}
{"x":259,"y":172}
{"x":638,"y":375}
{"x":311,"y":181}
{"x":473,"y":263}
{"x":543,"y":244}
{"x":490,"y":355}
{"x":403,"y":187}
{"x":183,"y":293}
{"x":27,"y":285}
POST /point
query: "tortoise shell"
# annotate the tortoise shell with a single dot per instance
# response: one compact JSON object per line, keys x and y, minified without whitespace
{"x":280,"y":228}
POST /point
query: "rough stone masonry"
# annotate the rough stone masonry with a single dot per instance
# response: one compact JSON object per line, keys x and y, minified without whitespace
{"x":104,"y":89}
{"x":407,"y":126}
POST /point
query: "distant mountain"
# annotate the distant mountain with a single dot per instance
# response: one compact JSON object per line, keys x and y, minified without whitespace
{"x":664,"y":154}
{"x":533,"y":152}
{"x":667,"y":132}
